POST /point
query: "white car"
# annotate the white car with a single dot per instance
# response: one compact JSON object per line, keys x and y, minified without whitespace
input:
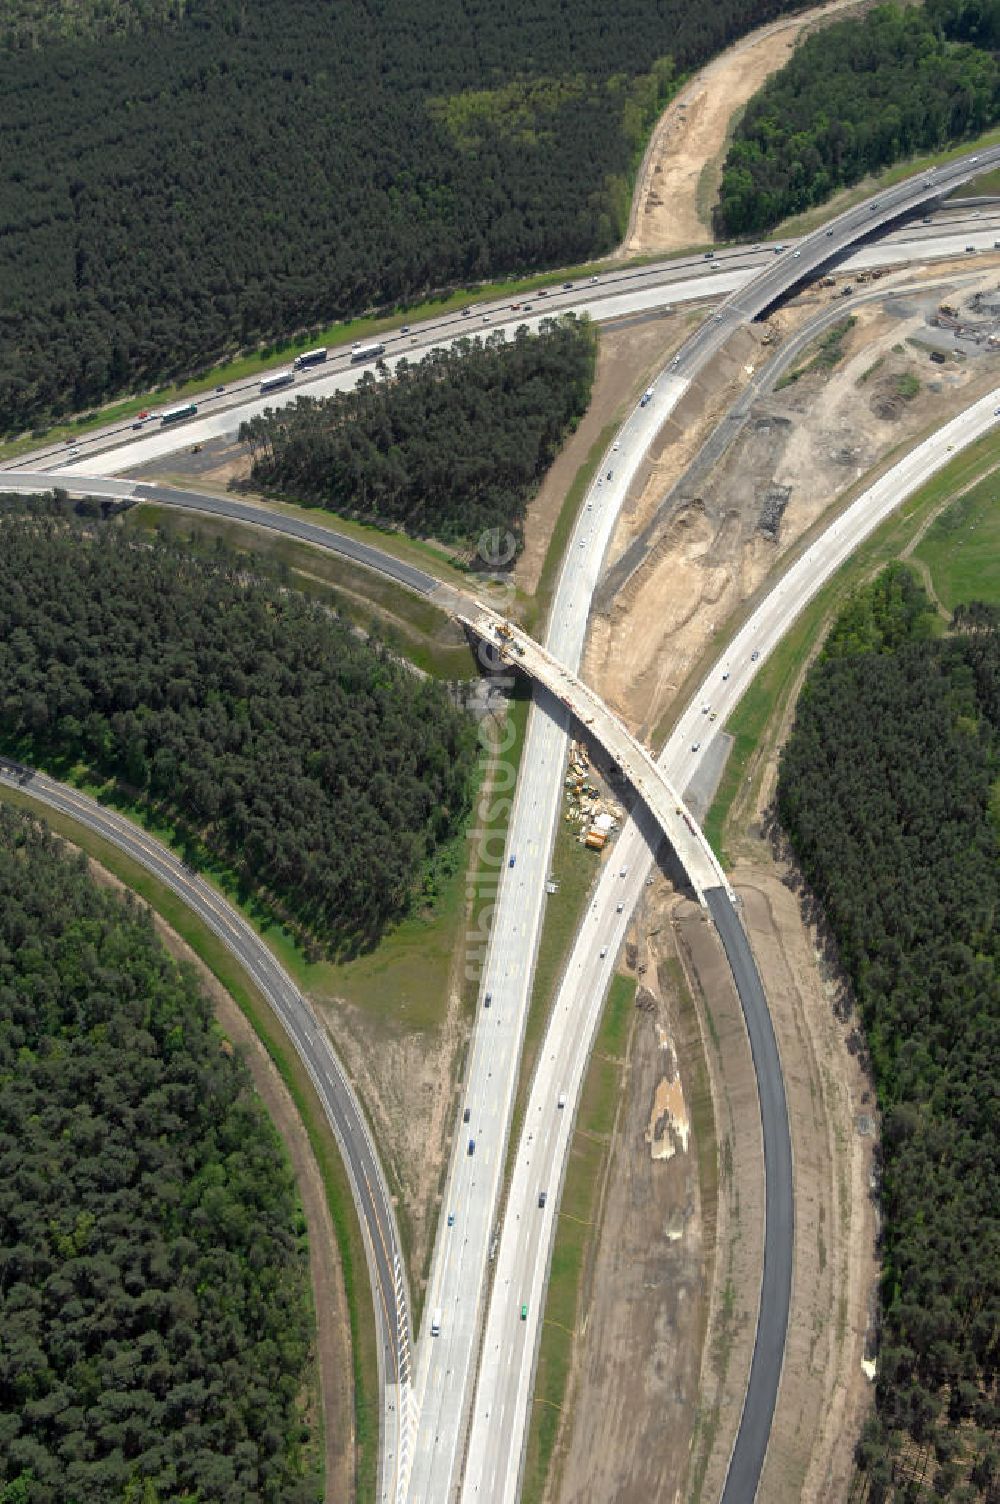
{"x":695,"y":746}
{"x":604,"y":951}
{"x":617,"y":444}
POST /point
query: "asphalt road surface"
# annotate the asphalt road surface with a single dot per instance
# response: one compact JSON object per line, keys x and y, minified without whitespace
{"x":445,"y":1373}
{"x":498,"y":1427}
{"x":747,"y":1460}
{"x":458,"y":1290}
{"x":610,"y":294}
{"x":342,"y":1108}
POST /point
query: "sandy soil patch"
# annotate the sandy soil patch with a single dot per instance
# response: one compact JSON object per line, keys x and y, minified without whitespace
{"x":409,"y":1085}
{"x":627,"y":356}
{"x":640,"y":1394}
{"x":682,"y":168}
{"x":803,"y":447}
{"x":824,"y":1394}
{"x":333,"y":1331}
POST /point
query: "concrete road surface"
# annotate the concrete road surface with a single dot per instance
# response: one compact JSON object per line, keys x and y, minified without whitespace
{"x":498,"y":1426}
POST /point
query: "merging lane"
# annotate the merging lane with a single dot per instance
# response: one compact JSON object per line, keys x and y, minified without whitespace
{"x":459,"y":1267}
{"x":498,"y":1429}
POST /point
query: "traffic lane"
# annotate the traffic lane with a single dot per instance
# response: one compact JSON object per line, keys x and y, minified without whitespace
{"x":278,"y":991}
{"x":813,"y":252}
{"x":295,"y":527}
{"x":750,"y":1448}
{"x":495,"y":1451}
{"x":447,"y":1362}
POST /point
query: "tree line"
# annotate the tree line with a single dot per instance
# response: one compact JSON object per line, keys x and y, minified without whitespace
{"x":155,"y":1302}
{"x":447,"y":447}
{"x":855,"y":97}
{"x":306,"y":761}
{"x":885,"y":791}
{"x":191,"y":181}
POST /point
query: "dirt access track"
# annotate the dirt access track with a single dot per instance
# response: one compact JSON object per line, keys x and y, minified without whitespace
{"x":682,"y":168}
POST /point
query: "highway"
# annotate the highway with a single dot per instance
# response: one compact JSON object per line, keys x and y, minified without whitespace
{"x":458,"y":1274}
{"x":458,"y":1287}
{"x":612,"y":294}
{"x":342,"y":1108}
{"x":498,"y":1427}
{"x":647,"y":778}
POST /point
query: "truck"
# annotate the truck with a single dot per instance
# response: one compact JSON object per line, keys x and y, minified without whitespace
{"x":310,"y":358}
{"x":178,"y":414}
{"x":436,"y":1323}
{"x":279,"y":379}
{"x":367,"y":352}
{"x":647,"y":396}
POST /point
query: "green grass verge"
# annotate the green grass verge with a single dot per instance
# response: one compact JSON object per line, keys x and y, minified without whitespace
{"x":227,"y":971}
{"x":823,"y":354}
{"x":985,"y":185}
{"x":413,"y":626}
{"x":422,"y":553}
{"x":765,"y":701}
{"x":577,"y":1210}
{"x":961,"y":548}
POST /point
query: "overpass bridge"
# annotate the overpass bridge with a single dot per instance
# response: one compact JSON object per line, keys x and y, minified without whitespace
{"x":636,"y":762}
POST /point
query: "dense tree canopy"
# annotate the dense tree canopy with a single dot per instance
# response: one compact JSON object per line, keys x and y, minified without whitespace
{"x":856,"y":96}
{"x":155,"y":1311}
{"x":308,"y":761}
{"x":447,"y":447}
{"x":170,"y":193}
{"x":885,"y":790}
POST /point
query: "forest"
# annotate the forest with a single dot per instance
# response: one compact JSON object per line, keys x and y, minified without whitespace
{"x":445,"y":448}
{"x":855,"y":97}
{"x":155,"y":1304}
{"x":885,"y":791}
{"x":179,"y":183}
{"x":303,"y":759}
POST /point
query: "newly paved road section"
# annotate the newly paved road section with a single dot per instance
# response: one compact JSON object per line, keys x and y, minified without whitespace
{"x":747,"y":1460}
{"x":26,"y":482}
{"x":499,"y":1423}
{"x":342,"y":1108}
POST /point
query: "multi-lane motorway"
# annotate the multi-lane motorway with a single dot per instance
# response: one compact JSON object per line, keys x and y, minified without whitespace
{"x":444,"y":1364}
{"x":498,"y":1426}
{"x":447,"y":1361}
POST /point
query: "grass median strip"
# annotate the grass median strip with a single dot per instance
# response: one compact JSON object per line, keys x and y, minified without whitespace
{"x":578,"y":1211}
{"x":227,"y":971}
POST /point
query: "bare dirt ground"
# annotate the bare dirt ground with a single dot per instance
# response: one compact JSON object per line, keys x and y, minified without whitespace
{"x":803,"y":446}
{"x":653,"y":1406}
{"x":630,"y":1435}
{"x":409,"y":1083}
{"x":637,"y":1395}
{"x":628,"y":353}
{"x":682,"y":168}
{"x":333,"y":1331}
